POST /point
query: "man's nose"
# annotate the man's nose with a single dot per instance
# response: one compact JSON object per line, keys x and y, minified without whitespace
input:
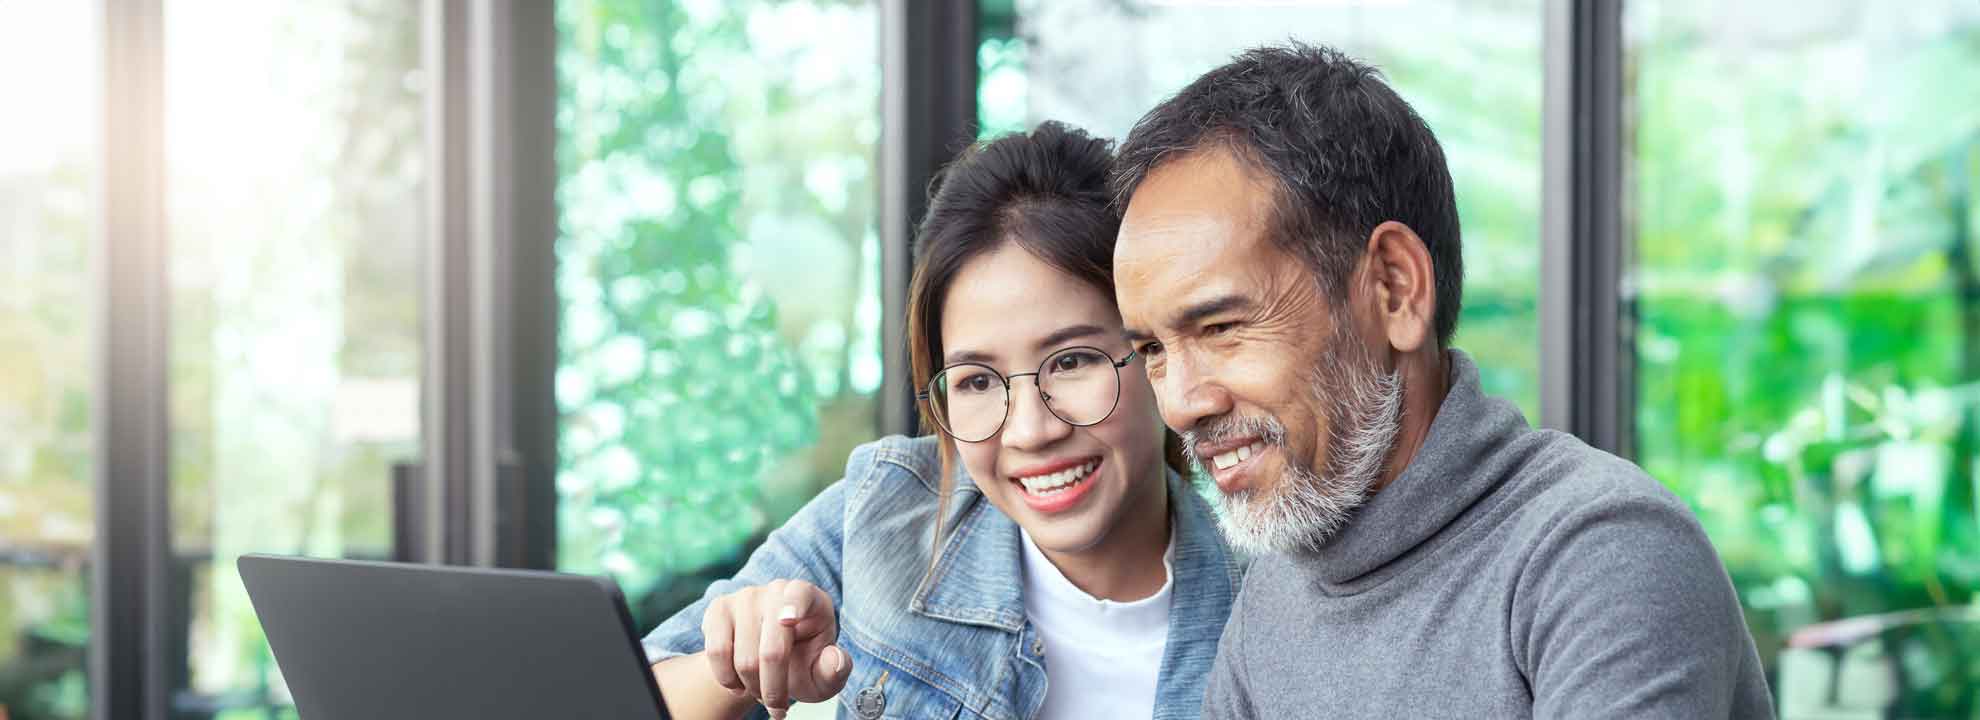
{"x":1186,"y":394}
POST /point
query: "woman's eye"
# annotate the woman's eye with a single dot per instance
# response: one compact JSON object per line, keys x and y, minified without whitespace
{"x":973,"y":383}
{"x":1073,"y":361}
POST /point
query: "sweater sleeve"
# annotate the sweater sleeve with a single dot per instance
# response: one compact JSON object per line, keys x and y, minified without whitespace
{"x":1625,"y":611}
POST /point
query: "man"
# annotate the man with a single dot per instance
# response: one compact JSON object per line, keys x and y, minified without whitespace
{"x":1289,"y":266}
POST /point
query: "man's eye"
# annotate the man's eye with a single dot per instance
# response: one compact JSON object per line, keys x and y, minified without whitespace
{"x":1219,"y":328}
{"x":1150,"y":349}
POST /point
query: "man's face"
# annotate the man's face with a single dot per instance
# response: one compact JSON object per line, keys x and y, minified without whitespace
{"x":1248,"y":360}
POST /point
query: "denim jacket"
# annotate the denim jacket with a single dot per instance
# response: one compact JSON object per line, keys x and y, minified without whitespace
{"x":953,"y":641}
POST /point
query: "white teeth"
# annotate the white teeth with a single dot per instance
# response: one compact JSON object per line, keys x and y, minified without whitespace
{"x":1056,"y":482}
{"x":1225,"y":460}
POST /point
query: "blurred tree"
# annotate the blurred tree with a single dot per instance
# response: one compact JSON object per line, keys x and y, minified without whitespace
{"x":1807,"y":304}
{"x":718,"y":270}
{"x":677,"y":393}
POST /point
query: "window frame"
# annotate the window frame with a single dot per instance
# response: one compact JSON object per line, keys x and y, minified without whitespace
{"x":1587,"y":328}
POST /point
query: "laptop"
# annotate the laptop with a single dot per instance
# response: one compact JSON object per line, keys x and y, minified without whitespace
{"x":378,"y":641}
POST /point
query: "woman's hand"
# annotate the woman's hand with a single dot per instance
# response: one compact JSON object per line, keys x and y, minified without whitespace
{"x":774,"y":643}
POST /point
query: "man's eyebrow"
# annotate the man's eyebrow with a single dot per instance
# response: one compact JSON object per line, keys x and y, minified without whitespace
{"x":1195,"y":313}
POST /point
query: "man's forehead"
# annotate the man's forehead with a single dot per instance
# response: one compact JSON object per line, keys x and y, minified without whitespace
{"x":1156,"y":294}
{"x":1177,"y":239}
{"x":1208,"y":178}
{"x":1191,"y":201}
{"x":1175,"y":236}
{"x":1196,"y":286}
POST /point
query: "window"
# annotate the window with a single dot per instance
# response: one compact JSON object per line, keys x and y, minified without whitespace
{"x":49,"y":160}
{"x":1805,"y":214}
{"x":295,"y":199}
{"x":1471,"y":69}
{"x":718,"y":273}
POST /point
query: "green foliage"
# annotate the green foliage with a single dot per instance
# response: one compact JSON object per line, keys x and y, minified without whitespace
{"x":676,"y":393}
{"x":718,"y":274}
{"x":1808,"y":331}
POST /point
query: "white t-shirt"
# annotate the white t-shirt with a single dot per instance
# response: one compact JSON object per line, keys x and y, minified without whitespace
{"x":1102,"y":658}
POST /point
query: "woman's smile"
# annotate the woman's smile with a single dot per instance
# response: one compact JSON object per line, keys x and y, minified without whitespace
{"x":1057,"y":486}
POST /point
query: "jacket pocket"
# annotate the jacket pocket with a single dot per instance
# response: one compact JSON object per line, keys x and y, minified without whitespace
{"x":880,"y":690}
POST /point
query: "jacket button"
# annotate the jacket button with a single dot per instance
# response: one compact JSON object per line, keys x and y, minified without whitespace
{"x":1038,"y":647}
{"x":870,"y":703}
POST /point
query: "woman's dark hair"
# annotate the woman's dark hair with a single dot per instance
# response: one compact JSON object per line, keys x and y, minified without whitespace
{"x":1047,"y":192}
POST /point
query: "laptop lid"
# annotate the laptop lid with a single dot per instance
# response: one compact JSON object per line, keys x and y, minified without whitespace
{"x":378,"y":641}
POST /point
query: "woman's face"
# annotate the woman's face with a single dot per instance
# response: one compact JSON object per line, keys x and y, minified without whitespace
{"x":1010,"y":311}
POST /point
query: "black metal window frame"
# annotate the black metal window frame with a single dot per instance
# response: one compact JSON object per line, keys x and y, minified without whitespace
{"x":928,"y":114}
{"x":1587,"y":321}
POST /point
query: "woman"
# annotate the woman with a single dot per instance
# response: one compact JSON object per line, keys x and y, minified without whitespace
{"x":1067,"y":570}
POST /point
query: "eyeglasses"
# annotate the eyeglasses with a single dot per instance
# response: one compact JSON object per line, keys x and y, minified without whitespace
{"x":1080,"y":385}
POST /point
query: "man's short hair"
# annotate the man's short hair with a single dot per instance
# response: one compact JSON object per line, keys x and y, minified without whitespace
{"x":1345,"y":151}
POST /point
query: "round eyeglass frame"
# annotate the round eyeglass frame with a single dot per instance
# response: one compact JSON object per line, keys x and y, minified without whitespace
{"x":927,"y":394}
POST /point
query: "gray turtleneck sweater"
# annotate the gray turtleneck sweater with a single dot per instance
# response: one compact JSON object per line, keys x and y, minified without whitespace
{"x":1506,"y":573}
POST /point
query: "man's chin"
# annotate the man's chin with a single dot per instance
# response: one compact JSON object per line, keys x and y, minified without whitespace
{"x":1295,"y":516}
{"x":1258,"y":531}
{"x":1256,"y":539}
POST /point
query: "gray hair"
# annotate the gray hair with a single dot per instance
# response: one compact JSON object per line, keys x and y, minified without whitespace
{"x":1346,"y":153}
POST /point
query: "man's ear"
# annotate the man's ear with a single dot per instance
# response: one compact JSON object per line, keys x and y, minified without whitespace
{"x":1400,"y":276}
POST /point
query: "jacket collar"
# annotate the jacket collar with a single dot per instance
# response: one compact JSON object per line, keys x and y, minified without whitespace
{"x":1206,"y":586}
{"x":979,"y":577}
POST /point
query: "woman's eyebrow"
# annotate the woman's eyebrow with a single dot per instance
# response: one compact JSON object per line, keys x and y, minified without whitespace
{"x":1049,"y":342}
{"x":969,"y":356}
{"x":1065,"y":334}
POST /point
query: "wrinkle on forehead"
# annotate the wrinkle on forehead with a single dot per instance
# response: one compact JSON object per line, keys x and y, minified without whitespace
{"x":1285,"y":298}
{"x":1169,"y":255}
{"x":1189,"y":213}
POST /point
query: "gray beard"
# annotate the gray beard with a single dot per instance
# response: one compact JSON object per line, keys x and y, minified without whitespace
{"x":1306,"y":508}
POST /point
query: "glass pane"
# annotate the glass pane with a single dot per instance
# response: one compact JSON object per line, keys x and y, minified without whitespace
{"x":48,"y":209}
{"x":295,"y":190}
{"x":1471,"y":69}
{"x":1805,"y":217}
{"x":718,"y":267}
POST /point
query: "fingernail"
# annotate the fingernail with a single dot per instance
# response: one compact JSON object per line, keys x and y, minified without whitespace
{"x":789,"y":613}
{"x":836,"y":659}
